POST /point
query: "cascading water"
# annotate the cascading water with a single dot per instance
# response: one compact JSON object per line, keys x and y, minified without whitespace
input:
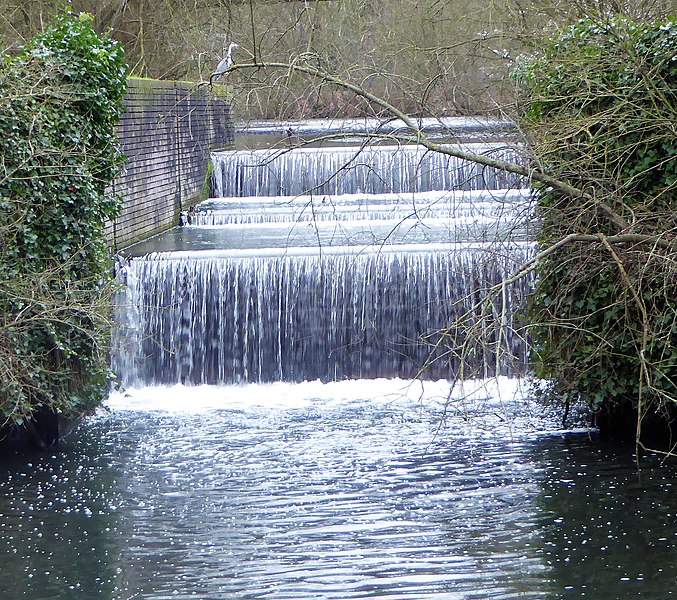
{"x":335,"y":283}
{"x":332,"y":490}
{"x":446,"y":207}
{"x":357,"y":169}
{"x":213,"y":318}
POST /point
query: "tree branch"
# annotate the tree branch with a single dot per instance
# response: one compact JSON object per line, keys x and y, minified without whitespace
{"x":418,"y":136}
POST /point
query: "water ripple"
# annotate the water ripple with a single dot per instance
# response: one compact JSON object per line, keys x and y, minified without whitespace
{"x":334,"y":498}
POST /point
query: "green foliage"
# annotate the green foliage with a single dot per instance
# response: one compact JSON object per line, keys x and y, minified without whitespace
{"x":600,"y":103}
{"x":62,"y":95}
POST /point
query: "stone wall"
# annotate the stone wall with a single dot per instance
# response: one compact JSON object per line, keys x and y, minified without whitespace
{"x":166,"y":134}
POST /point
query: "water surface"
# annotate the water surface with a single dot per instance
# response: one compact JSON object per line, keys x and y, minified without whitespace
{"x":335,"y":491}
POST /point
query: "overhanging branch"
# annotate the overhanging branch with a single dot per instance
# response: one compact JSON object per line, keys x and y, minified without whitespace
{"x":418,"y":136}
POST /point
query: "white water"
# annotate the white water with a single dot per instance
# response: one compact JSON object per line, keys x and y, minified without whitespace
{"x":443,"y":126}
{"x":217,"y":317}
{"x":359,"y":169}
{"x":470,"y":397}
{"x":355,"y":283}
{"x":478,"y":211}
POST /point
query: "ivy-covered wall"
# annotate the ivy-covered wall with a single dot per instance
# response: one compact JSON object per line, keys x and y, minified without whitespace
{"x":166,"y":133}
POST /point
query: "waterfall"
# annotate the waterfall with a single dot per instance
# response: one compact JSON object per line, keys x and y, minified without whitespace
{"x":441,"y":205}
{"x":213,"y":318}
{"x":361,"y":169}
{"x":332,"y":264}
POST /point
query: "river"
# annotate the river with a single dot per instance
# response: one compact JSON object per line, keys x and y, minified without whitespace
{"x":271,"y":441}
{"x":362,"y":489}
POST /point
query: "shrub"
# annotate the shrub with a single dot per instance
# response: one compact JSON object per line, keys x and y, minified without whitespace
{"x":600,"y":104}
{"x":62,"y":96}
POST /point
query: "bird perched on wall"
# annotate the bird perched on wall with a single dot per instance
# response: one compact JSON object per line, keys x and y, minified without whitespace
{"x":227,"y":61}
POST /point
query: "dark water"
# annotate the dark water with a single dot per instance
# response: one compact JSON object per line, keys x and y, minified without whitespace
{"x":291,"y":492}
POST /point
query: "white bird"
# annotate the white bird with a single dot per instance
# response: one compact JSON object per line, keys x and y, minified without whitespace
{"x":227,"y":61}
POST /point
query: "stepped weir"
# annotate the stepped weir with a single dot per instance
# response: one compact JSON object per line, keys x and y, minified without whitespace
{"x":332,"y":263}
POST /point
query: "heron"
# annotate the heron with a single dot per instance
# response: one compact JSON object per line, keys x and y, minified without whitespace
{"x":227,"y":61}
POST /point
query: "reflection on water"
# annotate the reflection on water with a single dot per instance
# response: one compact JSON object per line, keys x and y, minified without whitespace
{"x":59,"y":526}
{"x":608,"y":529}
{"x":340,"y":491}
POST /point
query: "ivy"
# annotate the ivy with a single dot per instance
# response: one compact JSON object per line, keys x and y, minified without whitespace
{"x":600,"y":104}
{"x":62,"y":96}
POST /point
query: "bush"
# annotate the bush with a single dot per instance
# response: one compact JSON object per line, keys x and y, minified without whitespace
{"x":600,"y":104}
{"x":62,"y":96}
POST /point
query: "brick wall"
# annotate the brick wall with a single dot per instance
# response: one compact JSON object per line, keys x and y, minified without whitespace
{"x":166,"y":134}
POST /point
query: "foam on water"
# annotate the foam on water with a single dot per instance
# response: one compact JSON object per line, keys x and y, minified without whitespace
{"x":493,"y":402}
{"x":198,"y":399}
